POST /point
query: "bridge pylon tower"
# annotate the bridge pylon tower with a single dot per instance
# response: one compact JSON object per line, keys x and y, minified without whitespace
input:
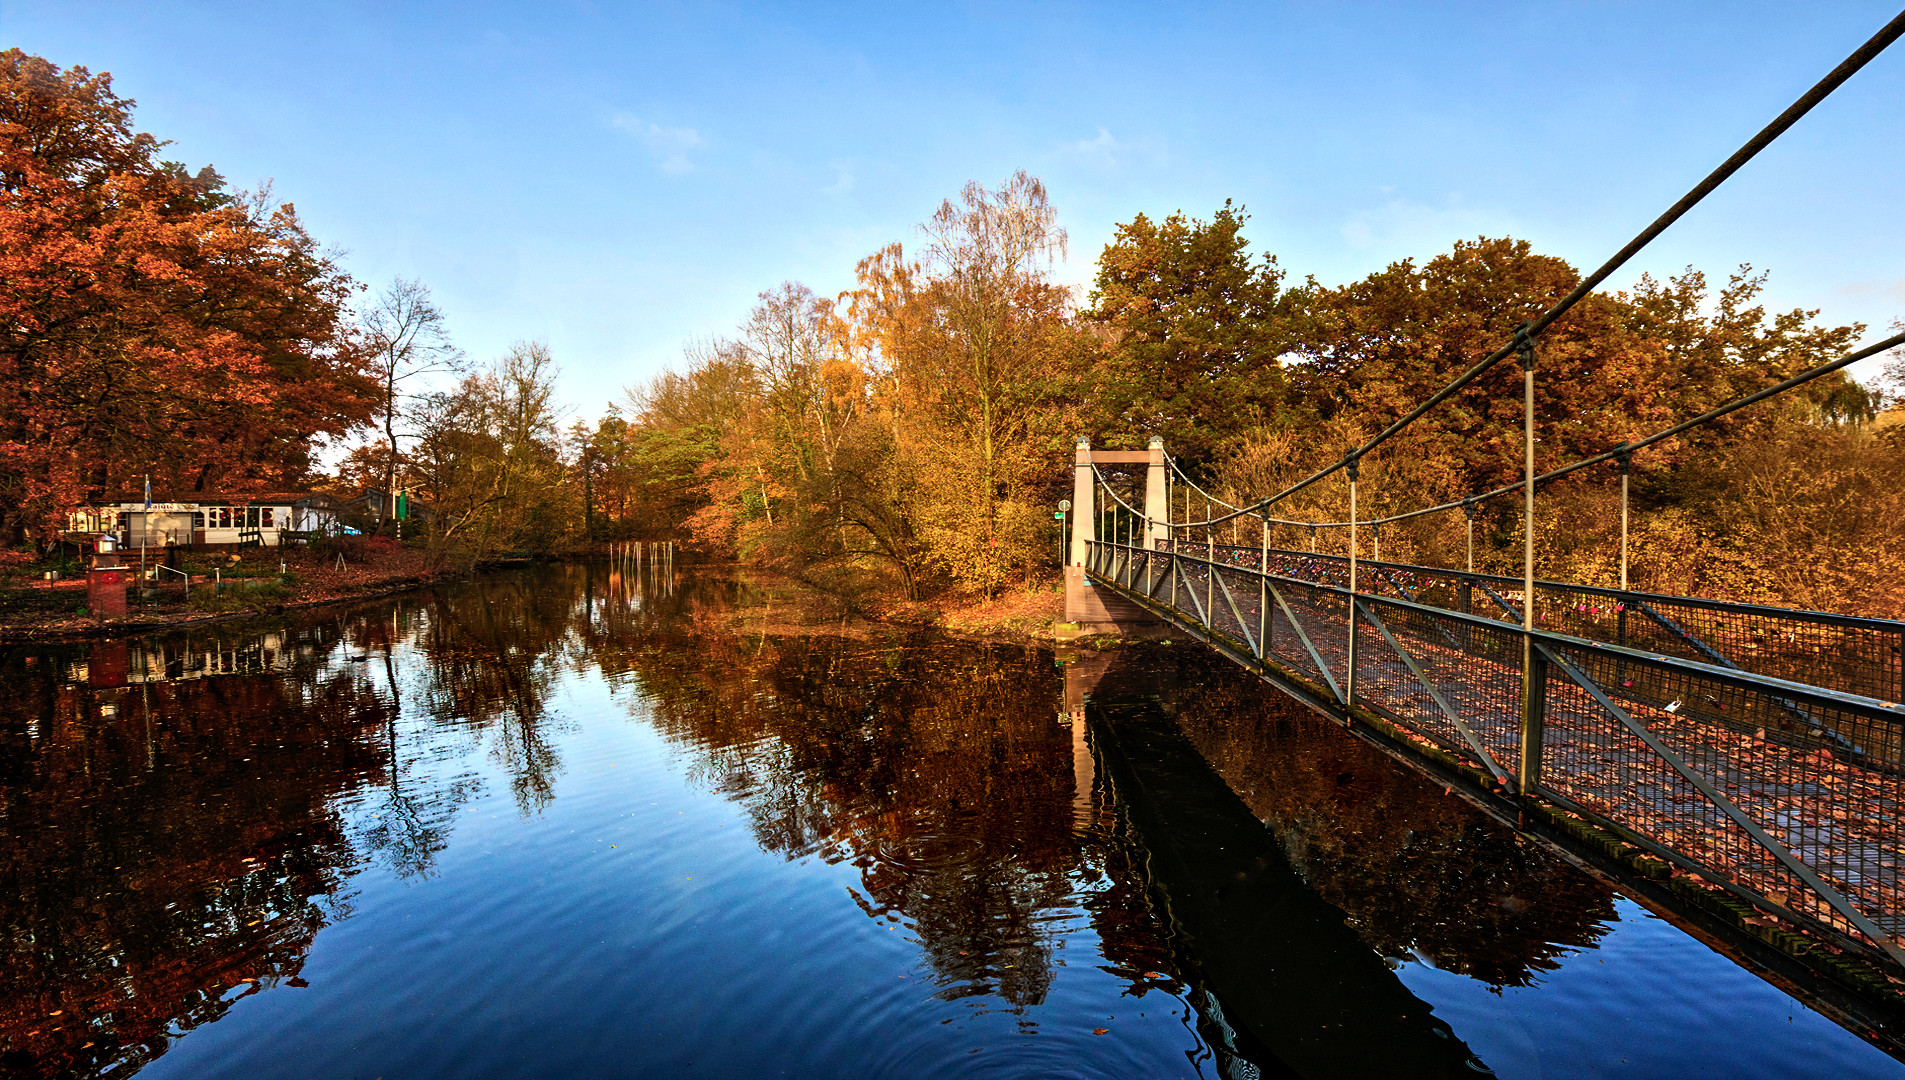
{"x":1102,"y":611}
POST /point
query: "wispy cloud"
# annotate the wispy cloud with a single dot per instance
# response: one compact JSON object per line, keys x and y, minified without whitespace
{"x":1889,"y":290}
{"x":1107,"y":152}
{"x":1407,"y":225}
{"x":669,"y":145}
{"x":843,"y":176}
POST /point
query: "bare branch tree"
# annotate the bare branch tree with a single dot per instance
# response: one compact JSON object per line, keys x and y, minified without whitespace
{"x":410,"y":341}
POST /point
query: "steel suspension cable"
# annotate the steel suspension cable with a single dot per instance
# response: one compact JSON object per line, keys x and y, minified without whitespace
{"x":1832,"y":81}
{"x":1615,"y":454}
{"x":1175,"y":467}
{"x":1113,"y":492}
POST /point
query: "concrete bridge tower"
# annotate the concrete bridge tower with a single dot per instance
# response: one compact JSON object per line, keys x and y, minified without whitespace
{"x":1099,"y":611}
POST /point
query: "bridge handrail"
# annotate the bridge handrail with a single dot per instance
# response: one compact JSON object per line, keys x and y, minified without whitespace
{"x":1828,"y":618}
{"x":1849,"y":653}
{"x":1769,"y":684}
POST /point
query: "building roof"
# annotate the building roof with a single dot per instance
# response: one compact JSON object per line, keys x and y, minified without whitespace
{"x":202,"y":498}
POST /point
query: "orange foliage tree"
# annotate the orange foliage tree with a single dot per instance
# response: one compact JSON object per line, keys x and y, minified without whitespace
{"x":150,"y":322}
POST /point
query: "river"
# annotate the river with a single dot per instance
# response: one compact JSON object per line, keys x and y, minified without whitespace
{"x":568,"y":822}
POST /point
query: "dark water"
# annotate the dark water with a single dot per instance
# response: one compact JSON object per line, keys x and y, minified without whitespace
{"x":562,"y":824}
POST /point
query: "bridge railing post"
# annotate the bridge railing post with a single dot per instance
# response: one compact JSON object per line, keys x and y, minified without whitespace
{"x":1534,"y":670}
{"x":1349,"y":681}
{"x":1175,"y":575}
{"x":1468,"y":586}
{"x":1210,"y":584}
{"x":1625,"y":457}
{"x":1265,"y":624}
{"x":1534,"y":709}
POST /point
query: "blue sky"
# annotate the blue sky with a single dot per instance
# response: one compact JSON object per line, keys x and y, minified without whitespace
{"x":619,"y":179}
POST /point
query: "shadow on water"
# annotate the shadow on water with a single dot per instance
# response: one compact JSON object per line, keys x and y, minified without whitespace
{"x":1280,"y":959}
{"x":1297,"y":868}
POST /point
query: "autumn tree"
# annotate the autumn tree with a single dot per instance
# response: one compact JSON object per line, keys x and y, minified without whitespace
{"x":981,"y":359}
{"x":1726,"y":510}
{"x":904,"y":433}
{"x":150,"y":321}
{"x":489,"y":461}
{"x":672,"y":446}
{"x":1198,"y":333}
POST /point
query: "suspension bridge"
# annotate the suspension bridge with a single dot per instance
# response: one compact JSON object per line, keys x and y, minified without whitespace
{"x":1748,"y":751}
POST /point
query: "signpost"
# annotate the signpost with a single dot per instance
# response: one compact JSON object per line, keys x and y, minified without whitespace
{"x":1063,"y":506}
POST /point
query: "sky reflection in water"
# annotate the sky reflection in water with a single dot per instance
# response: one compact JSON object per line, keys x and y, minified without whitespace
{"x":557,"y":823}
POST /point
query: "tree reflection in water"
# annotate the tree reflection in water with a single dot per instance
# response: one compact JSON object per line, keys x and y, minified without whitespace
{"x":491,"y":654}
{"x":936,"y":768}
{"x":171,"y":846}
{"x":183,"y":814}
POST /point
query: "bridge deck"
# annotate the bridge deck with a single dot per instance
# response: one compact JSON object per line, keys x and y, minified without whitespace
{"x":1786,"y":793}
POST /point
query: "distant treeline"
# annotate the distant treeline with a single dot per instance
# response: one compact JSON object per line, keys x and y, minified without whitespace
{"x":912,"y":435}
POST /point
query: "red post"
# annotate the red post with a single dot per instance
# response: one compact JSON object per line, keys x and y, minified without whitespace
{"x":106,"y":591}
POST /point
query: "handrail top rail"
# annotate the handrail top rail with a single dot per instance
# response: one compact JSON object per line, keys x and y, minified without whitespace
{"x":1895,"y":626}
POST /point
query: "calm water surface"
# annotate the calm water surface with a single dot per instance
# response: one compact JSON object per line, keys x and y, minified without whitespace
{"x":569,"y":823}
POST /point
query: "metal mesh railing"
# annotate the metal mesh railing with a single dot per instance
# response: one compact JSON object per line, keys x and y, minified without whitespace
{"x":1786,"y":793}
{"x":1835,"y":818}
{"x":1837,"y":652}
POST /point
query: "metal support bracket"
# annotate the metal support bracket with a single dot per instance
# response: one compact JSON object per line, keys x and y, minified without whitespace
{"x":1499,"y":599}
{"x":1315,"y":657}
{"x":1468,"y":735}
{"x":1202,"y":616}
{"x":1249,"y":638}
{"x":1719,"y":659}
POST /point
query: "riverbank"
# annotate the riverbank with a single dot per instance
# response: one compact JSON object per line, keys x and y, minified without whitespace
{"x":38,"y":611}
{"x":259,"y":582}
{"x":1017,"y":614}
{"x":786,"y":605}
